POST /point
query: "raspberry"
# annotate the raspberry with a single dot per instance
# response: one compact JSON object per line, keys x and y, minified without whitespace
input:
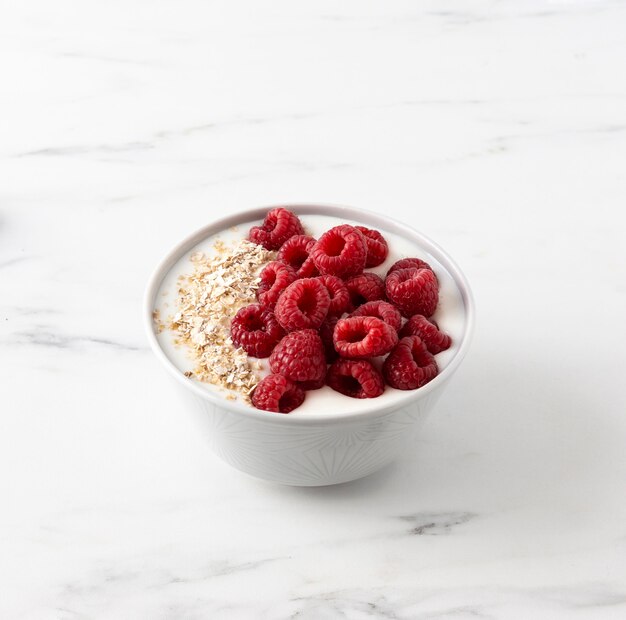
{"x":409,"y":263}
{"x":275,"y":278}
{"x":409,"y":365}
{"x":340,"y":251}
{"x":295,"y":253}
{"x":279,"y":225}
{"x":307,"y":386}
{"x":414,"y":291}
{"x":299,"y":356}
{"x":256,"y":330}
{"x":278,"y":394}
{"x":434,"y":339}
{"x":303,"y":304}
{"x":381,"y":310}
{"x":326,"y":334}
{"x":339,"y":296}
{"x":365,"y":287}
{"x":355,"y":378}
{"x":377,"y":248}
{"x":363,"y":336}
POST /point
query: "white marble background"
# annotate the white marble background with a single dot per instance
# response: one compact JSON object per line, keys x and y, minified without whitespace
{"x":497,"y":128}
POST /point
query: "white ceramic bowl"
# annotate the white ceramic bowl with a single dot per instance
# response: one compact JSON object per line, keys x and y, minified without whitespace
{"x":310,"y":450}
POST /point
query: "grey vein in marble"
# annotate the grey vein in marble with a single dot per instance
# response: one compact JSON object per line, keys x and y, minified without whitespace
{"x":435,"y":523}
{"x":47,"y":338}
{"x":10,"y":262}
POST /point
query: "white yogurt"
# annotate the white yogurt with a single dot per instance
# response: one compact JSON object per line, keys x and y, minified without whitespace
{"x":450,"y":314}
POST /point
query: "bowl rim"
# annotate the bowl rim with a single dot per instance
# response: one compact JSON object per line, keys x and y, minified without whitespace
{"x":368,"y":218}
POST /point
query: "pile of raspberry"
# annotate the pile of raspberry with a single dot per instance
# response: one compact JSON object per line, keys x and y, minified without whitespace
{"x":323,"y":320}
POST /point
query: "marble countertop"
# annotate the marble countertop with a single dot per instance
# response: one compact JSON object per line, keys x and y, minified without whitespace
{"x":498,"y":129}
